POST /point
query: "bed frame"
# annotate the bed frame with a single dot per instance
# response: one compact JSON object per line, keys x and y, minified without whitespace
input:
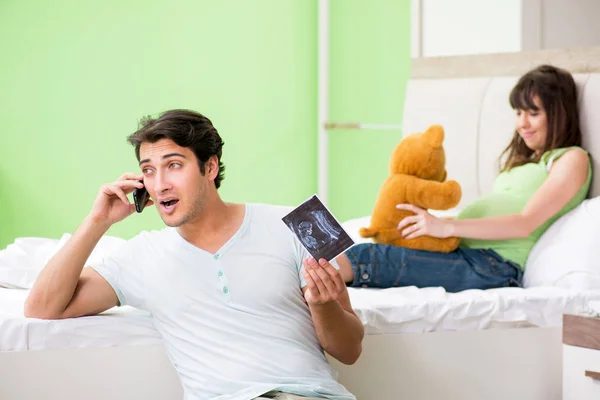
{"x":116,"y":373}
{"x":493,"y":364}
{"x":489,"y":364}
{"x":468,"y":95}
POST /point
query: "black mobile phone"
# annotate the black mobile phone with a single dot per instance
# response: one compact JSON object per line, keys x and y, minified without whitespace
{"x":140,"y":198}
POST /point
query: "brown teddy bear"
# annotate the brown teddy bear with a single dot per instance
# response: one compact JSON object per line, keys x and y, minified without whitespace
{"x":418,"y":177}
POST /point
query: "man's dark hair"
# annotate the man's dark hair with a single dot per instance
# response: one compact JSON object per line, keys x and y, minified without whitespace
{"x":187,"y":129}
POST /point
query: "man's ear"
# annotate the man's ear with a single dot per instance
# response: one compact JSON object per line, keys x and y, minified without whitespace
{"x":212,"y":167}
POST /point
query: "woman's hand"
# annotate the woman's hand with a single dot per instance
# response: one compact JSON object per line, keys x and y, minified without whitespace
{"x":422,"y":223}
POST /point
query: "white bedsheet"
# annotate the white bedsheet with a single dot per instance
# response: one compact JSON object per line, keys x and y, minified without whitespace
{"x":115,"y":327}
{"x":22,"y":260}
{"x":410,"y":309}
{"x":382,"y":311}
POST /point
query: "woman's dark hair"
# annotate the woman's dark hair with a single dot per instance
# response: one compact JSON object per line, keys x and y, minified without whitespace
{"x":187,"y":129}
{"x":557,"y":93}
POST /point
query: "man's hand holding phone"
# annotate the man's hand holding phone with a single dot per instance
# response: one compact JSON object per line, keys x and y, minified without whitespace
{"x":112,"y":205}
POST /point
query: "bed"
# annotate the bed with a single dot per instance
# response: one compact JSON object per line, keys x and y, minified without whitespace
{"x":119,"y":355}
{"x":468,"y":95}
{"x":420,"y":343}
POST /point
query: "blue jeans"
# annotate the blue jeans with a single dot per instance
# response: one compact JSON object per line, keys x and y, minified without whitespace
{"x":384,"y":266}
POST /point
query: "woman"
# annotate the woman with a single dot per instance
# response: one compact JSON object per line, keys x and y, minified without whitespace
{"x":545,"y":175}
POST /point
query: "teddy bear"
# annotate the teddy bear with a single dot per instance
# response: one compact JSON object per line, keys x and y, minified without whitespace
{"x":418,"y":177}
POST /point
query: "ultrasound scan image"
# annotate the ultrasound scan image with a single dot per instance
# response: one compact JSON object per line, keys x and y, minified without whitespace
{"x":318,"y":230}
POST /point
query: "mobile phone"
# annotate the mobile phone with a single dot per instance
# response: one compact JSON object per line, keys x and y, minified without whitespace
{"x":140,"y":198}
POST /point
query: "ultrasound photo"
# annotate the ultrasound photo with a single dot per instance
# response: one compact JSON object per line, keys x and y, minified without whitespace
{"x":318,"y":230}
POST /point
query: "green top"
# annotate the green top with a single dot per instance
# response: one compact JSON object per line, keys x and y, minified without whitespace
{"x":512,"y":190}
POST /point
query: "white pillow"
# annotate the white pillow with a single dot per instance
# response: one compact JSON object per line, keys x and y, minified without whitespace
{"x":352,"y":226}
{"x":568,"y":253}
{"x":22,"y":261}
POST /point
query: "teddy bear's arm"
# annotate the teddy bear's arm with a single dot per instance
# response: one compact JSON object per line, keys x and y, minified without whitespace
{"x":434,"y":195}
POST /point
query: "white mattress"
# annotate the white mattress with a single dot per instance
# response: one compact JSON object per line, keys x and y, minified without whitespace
{"x":409,"y":309}
{"x":115,"y":327}
{"x":382,"y":311}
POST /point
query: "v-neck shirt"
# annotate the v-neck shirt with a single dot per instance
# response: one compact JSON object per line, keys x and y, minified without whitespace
{"x":235,"y":323}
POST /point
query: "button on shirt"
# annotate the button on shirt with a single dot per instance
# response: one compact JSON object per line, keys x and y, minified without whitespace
{"x":235,"y":323}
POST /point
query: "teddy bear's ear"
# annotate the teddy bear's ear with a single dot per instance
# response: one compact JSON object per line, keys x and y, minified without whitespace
{"x":435,"y":135}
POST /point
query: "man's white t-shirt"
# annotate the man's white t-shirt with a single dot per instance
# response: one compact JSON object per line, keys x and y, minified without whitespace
{"x":235,"y":323}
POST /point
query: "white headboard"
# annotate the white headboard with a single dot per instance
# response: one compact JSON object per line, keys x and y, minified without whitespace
{"x":468,"y":96}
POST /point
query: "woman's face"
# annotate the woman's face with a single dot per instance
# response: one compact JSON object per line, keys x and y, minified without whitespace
{"x":532,"y":126}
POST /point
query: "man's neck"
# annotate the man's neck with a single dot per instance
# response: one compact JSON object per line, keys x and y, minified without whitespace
{"x":217,"y":223}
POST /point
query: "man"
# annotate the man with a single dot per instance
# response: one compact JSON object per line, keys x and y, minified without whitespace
{"x":242,"y":309}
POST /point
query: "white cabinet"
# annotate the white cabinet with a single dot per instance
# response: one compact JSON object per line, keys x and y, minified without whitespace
{"x":581,"y":373}
{"x":581,"y":358}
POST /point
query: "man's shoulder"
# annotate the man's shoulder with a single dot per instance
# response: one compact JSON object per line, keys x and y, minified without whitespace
{"x":152,"y":237}
{"x":274,"y":211}
{"x":268,"y":219}
{"x":144,"y":247}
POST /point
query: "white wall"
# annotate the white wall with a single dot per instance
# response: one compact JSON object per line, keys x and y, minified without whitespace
{"x":470,"y":26}
{"x":570,"y":23}
{"x":455,"y":27}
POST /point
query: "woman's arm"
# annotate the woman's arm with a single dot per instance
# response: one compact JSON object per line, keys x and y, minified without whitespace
{"x":566,"y":177}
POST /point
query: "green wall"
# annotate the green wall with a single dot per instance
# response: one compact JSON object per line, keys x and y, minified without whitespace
{"x":76,"y":76}
{"x":370,"y":63}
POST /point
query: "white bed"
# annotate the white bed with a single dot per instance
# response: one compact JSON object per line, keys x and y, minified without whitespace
{"x":116,"y":355}
{"x":421,"y":344}
{"x":383,"y":312}
{"x":122,"y":347}
{"x":120,"y":326}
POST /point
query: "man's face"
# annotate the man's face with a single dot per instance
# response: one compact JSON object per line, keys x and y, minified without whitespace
{"x":173,"y":179}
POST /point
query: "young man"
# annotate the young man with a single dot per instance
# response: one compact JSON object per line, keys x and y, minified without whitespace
{"x":242,"y":309}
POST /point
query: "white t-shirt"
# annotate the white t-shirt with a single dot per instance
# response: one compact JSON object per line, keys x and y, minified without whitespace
{"x":235,"y":323}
